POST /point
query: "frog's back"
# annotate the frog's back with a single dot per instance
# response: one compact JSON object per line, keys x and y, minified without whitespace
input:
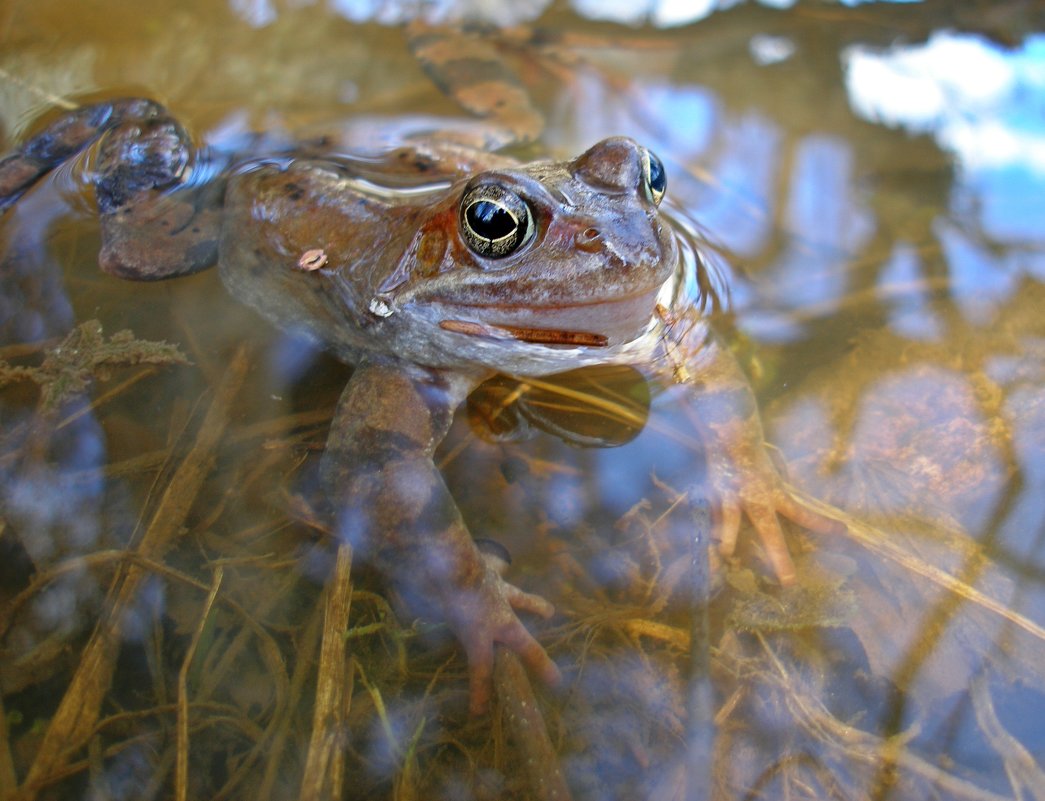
{"x":306,"y":246}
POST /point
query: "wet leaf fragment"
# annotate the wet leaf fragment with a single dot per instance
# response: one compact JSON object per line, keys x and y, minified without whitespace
{"x":821,"y":599}
{"x":67,"y":369}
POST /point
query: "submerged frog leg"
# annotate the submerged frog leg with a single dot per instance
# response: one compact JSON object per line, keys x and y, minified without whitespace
{"x":740,"y":470}
{"x":149,"y":231}
{"x":391,"y":502}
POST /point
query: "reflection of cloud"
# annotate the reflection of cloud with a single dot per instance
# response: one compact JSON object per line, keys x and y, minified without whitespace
{"x":921,"y":86}
{"x":983,"y":104}
{"x":395,"y":12}
{"x":257,"y":13}
{"x":661,"y":13}
{"x":766,"y":49}
{"x":971,"y":93}
{"x":494,"y":12}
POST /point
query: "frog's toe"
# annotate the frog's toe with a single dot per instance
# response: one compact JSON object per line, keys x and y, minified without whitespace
{"x":767,"y":525}
{"x":489,"y":618}
{"x":497,"y":559}
{"x":730,"y":514}
{"x":480,"y":674}
{"x":157,"y":236}
{"x":528,"y":602}
{"x":533,"y":656}
{"x":479,"y":649}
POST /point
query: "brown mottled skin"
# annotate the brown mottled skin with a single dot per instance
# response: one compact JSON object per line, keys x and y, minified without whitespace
{"x":389,"y":282}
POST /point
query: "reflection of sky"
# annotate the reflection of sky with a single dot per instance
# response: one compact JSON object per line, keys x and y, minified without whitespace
{"x":911,"y":314}
{"x":744,"y":172}
{"x":970,"y":92}
{"x":980,"y":278}
{"x":826,"y":224}
{"x":983,"y":104}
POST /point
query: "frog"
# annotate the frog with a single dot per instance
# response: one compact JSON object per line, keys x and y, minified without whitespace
{"x":430,"y":267}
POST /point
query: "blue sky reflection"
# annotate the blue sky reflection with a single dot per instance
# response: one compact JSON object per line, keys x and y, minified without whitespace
{"x":982,"y":103}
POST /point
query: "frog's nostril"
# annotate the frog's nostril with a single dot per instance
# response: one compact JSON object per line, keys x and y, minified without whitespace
{"x":590,"y":239}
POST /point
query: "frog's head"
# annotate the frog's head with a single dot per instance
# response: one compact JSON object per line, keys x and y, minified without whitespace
{"x":563,"y":253}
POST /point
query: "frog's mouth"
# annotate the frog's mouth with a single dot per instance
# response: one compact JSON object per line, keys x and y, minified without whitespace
{"x":534,"y":336}
{"x":603,"y":323}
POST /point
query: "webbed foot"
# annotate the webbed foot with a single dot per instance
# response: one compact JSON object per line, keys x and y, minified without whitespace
{"x":747,"y":482}
{"x":485,"y":615}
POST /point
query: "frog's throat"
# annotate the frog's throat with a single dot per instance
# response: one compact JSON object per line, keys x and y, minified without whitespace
{"x":534,"y":336}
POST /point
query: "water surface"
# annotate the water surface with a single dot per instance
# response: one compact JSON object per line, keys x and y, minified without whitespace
{"x":872,"y":178}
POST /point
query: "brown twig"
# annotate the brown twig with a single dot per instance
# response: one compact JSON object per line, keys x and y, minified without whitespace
{"x":325,"y":764}
{"x":525,"y":723}
{"x":285,"y":728}
{"x":8,"y":777}
{"x":181,"y":774}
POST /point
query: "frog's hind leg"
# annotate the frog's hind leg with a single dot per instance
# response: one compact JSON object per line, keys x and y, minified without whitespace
{"x":149,"y":230}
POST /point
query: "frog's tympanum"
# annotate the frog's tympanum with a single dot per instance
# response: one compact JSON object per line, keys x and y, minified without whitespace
{"x":492,"y":266}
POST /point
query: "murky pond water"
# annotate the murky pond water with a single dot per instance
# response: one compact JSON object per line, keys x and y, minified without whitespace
{"x":870,"y":182}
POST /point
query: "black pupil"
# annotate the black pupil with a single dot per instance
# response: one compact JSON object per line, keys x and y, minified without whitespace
{"x":658,"y":181}
{"x":491,"y":221}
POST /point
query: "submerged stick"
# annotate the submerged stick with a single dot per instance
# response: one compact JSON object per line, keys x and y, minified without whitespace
{"x":325,"y":764}
{"x":7,"y":763}
{"x":525,"y":723}
{"x":77,"y":714}
{"x":181,"y":774}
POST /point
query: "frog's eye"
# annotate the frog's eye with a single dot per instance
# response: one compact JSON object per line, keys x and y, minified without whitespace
{"x":495,"y":222}
{"x":654,"y":177}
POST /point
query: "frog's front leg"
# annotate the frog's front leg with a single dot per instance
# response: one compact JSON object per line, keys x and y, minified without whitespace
{"x":149,"y":230}
{"x":390,"y":500}
{"x":743,"y":476}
